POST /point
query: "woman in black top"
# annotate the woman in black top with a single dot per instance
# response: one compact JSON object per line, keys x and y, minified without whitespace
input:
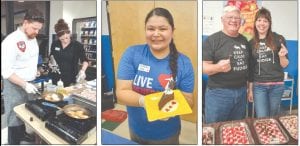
{"x":67,"y":53}
{"x":269,"y":57}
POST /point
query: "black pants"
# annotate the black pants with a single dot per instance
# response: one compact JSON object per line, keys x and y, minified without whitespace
{"x":15,"y":134}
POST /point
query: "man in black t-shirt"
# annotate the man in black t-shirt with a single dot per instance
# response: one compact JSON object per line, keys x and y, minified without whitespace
{"x":225,"y":61}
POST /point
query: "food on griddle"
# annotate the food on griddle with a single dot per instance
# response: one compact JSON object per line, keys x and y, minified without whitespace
{"x":52,"y":97}
{"x":83,"y":92}
{"x":71,"y":113}
{"x":78,"y":114}
{"x":83,"y":116}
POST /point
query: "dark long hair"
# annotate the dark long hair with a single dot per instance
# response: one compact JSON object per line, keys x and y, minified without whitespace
{"x":173,"y":50}
{"x":264,"y":13}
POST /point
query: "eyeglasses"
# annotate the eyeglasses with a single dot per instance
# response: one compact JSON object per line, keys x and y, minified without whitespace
{"x":233,"y":18}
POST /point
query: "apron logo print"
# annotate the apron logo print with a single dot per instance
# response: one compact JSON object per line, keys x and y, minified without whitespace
{"x":21,"y":45}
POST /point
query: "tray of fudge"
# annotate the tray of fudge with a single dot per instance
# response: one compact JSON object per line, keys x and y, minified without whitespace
{"x":208,"y":135}
{"x":235,"y":133}
{"x":290,"y":123}
{"x":269,"y":131}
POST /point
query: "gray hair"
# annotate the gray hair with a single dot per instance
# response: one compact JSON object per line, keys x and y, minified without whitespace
{"x":230,"y":8}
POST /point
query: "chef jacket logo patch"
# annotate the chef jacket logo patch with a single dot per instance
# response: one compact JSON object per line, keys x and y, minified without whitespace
{"x":21,"y":45}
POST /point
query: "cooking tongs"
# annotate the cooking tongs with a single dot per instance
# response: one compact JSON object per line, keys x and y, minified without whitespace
{"x":53,"y":65}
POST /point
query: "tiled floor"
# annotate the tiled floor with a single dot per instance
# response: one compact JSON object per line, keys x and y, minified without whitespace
{"x":188,"y":130}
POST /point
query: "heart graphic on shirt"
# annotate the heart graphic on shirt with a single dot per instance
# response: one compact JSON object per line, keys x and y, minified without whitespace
{"x":21,"y":45}
{"x":164,"y":79}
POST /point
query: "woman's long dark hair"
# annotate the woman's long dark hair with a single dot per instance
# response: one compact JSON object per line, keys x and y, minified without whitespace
{"x":173,"y":51}
{"x":264,"y":13}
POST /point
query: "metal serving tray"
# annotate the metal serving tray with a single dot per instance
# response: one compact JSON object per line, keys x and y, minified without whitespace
{"x":236,"y":125}
{"x":293,"y":131}
{"x":276,"y":138}
{"x":211,"y":130}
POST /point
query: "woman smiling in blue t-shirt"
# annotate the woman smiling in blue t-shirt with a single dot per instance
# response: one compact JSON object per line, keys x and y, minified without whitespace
{"x":146,"y":69}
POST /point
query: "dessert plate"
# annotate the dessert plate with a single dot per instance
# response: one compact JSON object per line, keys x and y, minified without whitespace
{"x":178,"y":106}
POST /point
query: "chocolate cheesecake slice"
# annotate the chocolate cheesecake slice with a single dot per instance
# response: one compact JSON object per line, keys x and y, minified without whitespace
{"x":166,"y":97}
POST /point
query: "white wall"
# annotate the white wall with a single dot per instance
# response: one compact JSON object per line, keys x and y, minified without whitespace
{"x":3,"y":26}
{"x":78,"y":9}
{"x":284,"y":17}
{"x":104,"y":19}
{"x":212,"y":10}
{"x":56,"y":12}
{"x":69,"y":10}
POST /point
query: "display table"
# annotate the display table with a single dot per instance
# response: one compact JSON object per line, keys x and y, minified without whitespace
{"x":249,"y":122}
{"x":39,"y":128}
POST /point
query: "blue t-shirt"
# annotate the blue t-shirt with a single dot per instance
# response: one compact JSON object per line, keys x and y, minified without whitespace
{"x":150,"y":75}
